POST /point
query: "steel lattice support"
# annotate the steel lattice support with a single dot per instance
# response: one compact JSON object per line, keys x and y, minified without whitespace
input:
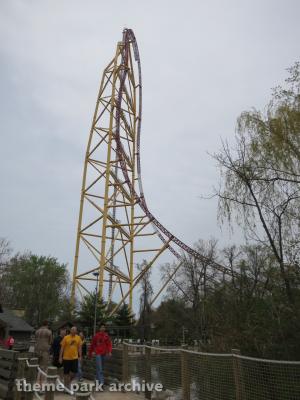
{"x":116,"y":230}
{"x":112,"y":226}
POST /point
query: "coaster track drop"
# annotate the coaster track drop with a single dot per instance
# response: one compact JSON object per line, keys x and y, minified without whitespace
{"x":115,"y":225}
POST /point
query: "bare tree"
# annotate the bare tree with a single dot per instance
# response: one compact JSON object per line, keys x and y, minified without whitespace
{"x":255,"y":200}
{"x":193,"y":281}
{"x":260,"y":177}
{"x":5,"y":253}
{"x":145,"y":301}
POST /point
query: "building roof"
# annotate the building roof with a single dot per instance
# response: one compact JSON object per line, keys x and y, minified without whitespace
{"x":13,"y":322}
{"x":61,"y":324}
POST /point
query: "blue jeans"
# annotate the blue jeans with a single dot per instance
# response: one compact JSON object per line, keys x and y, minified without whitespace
{"x":99,"y":368}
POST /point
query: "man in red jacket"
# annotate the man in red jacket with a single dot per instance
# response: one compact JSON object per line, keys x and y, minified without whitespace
{"x":101,"y":345}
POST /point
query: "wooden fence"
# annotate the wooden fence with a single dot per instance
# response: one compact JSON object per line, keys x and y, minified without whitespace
{"x":16,"y":365}
{"x":8,"y":369}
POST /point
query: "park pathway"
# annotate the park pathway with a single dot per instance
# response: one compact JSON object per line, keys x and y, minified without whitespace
{"x":105,"y":395}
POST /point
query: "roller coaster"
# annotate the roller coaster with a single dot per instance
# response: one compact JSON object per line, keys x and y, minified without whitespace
{"x":118,"y":238}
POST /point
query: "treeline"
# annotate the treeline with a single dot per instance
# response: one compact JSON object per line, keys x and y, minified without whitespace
{"x":246,"y":307}
{"x":37,"y":284}
{"x":40,"y":286}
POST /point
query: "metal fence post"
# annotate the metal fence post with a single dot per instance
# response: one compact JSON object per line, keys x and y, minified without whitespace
{"x":147,"y":371}
{"x":125,"y":369}
{"x":52,"y":376}
{"x":185,"y":375}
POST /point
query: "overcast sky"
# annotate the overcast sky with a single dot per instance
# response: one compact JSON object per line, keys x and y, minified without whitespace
{"x":203,"y":63}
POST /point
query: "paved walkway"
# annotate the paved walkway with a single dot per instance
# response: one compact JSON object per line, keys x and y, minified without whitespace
{"x":106,"y":396}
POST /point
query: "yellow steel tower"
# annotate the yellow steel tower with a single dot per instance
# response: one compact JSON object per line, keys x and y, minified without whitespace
{"x":113,"y":230}
{"x":116,"y":230}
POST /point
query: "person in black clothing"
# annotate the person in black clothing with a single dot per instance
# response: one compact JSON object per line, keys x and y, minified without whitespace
{"x":55,"y":348}
{"x":84,"y":346}
{"x":83,"y":352}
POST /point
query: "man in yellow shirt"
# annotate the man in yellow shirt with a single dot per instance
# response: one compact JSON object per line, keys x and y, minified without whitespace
{"x":70,"y":353}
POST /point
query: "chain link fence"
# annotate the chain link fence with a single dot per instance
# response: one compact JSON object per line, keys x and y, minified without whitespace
{"x":190,"y":375}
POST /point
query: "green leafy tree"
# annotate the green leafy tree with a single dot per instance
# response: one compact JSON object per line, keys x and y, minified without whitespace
{"x":170,"y":318}
{"x":36,"y":283}
{"x":66,"y":311}
{"x":274,"y":135}
{"x":261,"y":177}
{"x":124,"y":318}
{"x":86,"y":311}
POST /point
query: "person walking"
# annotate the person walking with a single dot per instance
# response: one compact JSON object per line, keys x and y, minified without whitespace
{"x":55,"y":348}
{"x":102,"y":346}
{"x":83,"y":353}
{"x":70,"y":354}
{"x":43,"y":337}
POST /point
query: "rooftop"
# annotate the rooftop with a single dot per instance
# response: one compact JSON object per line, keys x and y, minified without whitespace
{"x":14,"y":323}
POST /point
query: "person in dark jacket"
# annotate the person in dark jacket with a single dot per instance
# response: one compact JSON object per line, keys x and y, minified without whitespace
{"x":101,"y":345}
{"x":55,"y":348}
{"x":83,"y":352}
{"x":84,"y":346}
